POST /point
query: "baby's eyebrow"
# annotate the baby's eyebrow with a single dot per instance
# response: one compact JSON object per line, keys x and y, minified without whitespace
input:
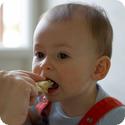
{"x":62,"y":45}
{"x":37,"y":46}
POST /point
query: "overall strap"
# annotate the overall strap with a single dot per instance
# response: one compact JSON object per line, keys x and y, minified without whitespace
{"x":99,"y":110}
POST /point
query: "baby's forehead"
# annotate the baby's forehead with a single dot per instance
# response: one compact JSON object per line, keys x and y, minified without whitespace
{"x":68,"y":14}
{"x":83,"y":14}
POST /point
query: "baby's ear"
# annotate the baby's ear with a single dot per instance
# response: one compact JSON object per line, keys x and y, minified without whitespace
{"x":101,"y":68}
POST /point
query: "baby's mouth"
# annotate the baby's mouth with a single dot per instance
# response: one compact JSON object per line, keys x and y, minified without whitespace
{"x":54,"y":86}
{"x":46,"y":86}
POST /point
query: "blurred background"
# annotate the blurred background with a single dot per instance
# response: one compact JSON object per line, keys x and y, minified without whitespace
{"x":18,"y":19}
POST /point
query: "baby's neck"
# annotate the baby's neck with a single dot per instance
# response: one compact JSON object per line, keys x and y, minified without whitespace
{"x":80,"y":105}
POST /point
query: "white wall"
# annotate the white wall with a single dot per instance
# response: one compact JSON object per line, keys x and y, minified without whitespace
{"x":12,"y":59}
{"x":114,"y":83}
{"x":115,"y":80}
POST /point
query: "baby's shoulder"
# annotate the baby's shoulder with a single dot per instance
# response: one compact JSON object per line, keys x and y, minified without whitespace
{"x":114,"y":117}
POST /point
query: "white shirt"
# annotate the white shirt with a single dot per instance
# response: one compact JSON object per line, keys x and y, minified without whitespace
{"x":114,"y":117}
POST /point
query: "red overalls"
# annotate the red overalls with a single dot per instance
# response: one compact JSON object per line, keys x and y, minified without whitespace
{"x":92,"y":116}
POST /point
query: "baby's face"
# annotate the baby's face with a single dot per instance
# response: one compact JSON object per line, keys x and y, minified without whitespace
{"x":64,"y":53}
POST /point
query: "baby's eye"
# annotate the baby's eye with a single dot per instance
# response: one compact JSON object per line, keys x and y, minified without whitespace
{"x":62,"y":55}
{"x":39,"y":55}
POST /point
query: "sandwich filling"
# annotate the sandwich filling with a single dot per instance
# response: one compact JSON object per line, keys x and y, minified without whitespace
{"x":45,"y":86}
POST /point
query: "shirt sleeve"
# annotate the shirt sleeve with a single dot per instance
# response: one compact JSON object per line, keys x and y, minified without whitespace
{"x":114,"y":117}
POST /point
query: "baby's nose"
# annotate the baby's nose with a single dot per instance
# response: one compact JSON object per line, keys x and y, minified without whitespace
{"x":46,"y":64}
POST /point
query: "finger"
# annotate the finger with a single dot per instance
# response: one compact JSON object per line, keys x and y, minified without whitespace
{"x":34,"y":76}
{"x":31,"y":83}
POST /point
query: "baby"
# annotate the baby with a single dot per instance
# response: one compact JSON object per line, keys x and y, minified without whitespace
{"x":72,"y":48}
{"x":71,"y":52}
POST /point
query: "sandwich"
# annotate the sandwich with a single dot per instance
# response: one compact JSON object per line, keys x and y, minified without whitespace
{"x":43,"y":86}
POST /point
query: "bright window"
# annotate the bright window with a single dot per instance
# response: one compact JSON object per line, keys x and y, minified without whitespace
{"x":11,"y":23}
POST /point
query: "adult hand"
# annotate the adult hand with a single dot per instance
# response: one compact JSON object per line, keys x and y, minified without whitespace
{"x":17,"y":92}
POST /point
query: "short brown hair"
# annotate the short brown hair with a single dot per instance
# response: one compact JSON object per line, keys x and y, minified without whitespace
{"x":96,"y":18}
